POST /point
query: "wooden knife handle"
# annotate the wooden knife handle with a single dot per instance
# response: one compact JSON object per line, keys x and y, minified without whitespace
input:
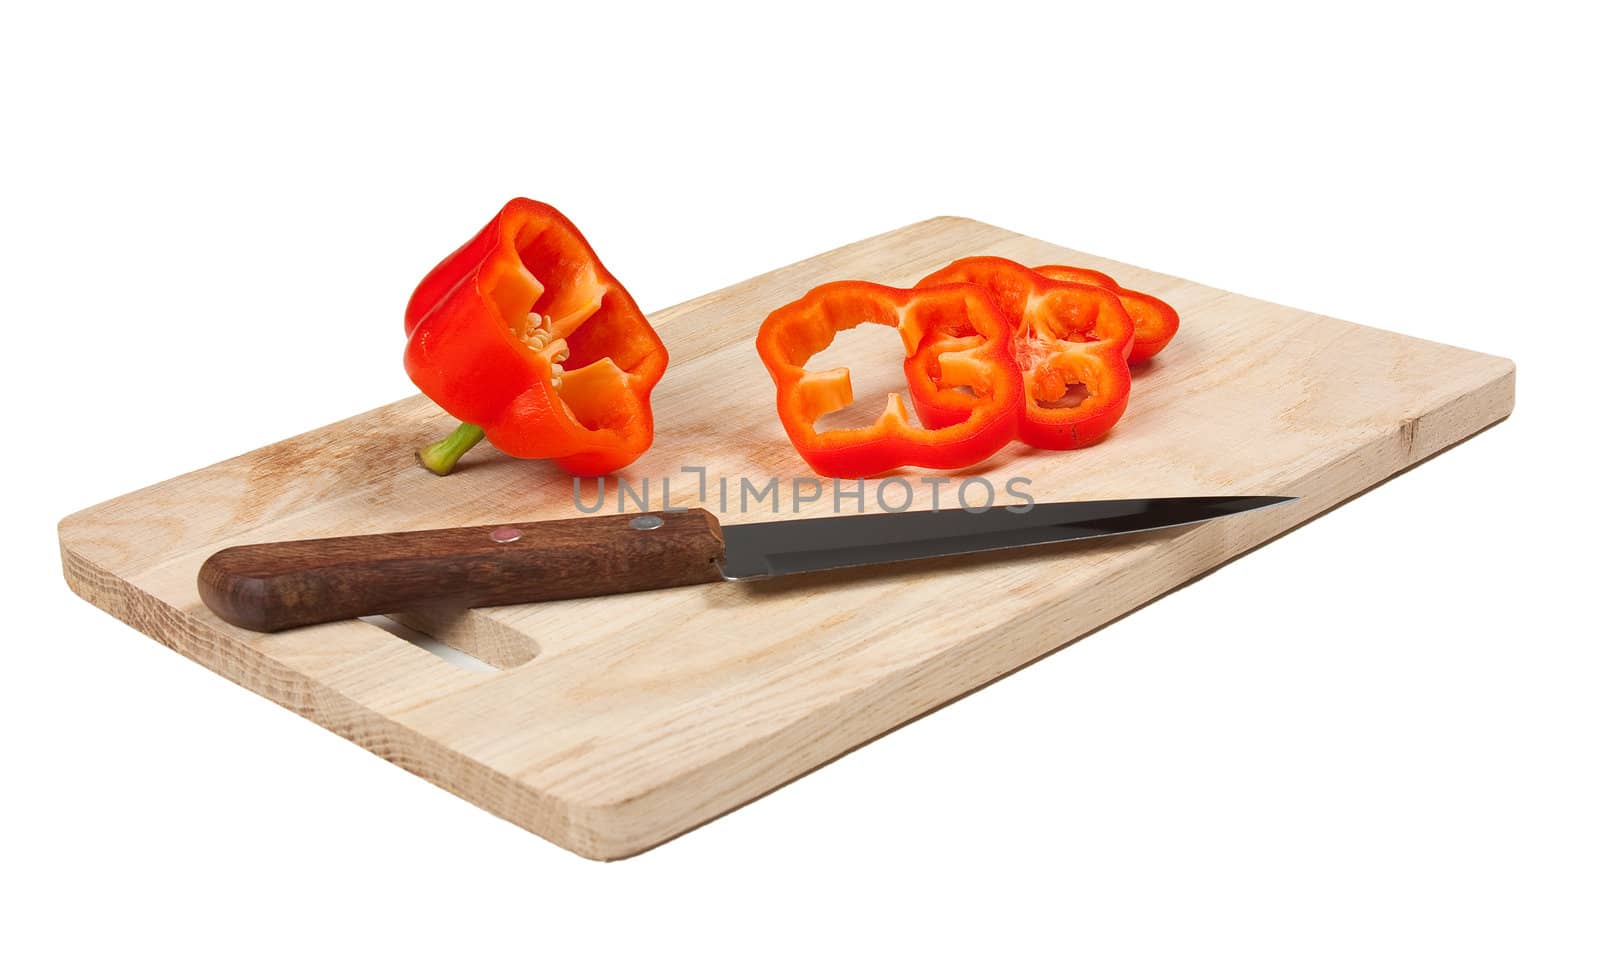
{"x":271,"y":587}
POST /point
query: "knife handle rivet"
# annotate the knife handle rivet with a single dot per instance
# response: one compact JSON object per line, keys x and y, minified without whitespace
{"x":646,"y":522}
{"x":505,"y":535}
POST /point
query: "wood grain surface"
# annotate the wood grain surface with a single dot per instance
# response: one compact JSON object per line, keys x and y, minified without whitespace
{"x":618,"y":722}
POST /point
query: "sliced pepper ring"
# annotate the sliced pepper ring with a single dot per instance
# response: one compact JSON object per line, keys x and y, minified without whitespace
{"x":523,"y":333}
{"x":956,"y":314}
{"x":1154,"y":321}
{"x":1071,"y":342}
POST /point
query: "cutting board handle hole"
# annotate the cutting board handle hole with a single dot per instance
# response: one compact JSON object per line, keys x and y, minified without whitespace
{"x":430,"y":644}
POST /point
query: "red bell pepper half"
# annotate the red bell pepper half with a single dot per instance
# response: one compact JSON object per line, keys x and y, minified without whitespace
{"x":524,"y":336}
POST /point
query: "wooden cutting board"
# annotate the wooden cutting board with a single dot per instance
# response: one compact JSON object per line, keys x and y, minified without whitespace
{"x":613,"y":724}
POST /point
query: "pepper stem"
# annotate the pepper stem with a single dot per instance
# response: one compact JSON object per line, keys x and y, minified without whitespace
{"x":440,"y":457}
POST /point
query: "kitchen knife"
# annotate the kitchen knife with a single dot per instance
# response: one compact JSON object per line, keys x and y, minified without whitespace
{"x":276,"y":586}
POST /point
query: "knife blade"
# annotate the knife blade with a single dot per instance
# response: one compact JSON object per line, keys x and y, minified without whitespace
{"x":280,"y":585}
{"x":772,"y":548}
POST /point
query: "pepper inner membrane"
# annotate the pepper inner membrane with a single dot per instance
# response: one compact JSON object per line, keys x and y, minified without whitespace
{"x":556,"y":306}
{"x":1052,"y":325}
{"x":1073,"y":394}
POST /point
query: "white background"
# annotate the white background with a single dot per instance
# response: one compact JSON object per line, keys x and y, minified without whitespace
{"x":1368,"y":749}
